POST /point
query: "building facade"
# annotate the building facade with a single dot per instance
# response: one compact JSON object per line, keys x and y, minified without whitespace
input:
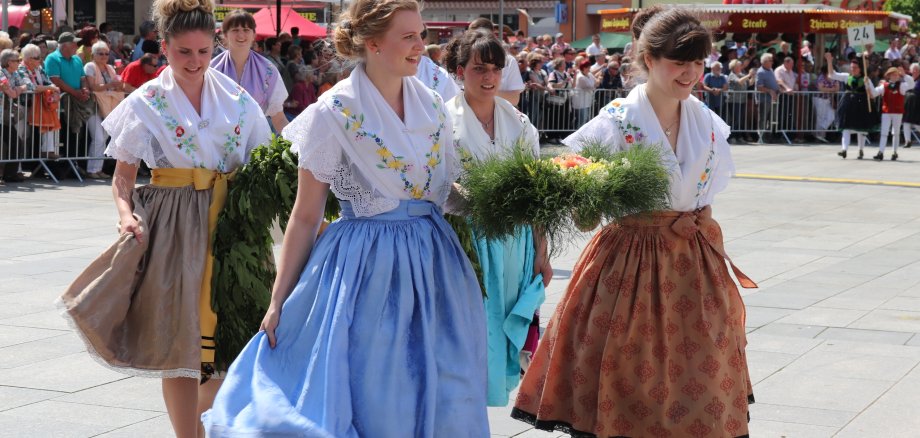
{"x":534,"y":17}
{"x":582,"y":18}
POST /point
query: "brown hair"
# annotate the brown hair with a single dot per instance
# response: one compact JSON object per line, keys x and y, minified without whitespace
{"x":238,"y":18}
{"x":675,"y":34}
{"x":363,"y":20}
{"x":481,"y":23}
{"x":533,"y":58}
{"x":178,"y":16}
{"x":462,"y":49}
{"x":641,"y":18}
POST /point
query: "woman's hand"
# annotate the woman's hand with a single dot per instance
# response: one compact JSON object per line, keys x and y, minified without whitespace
{"x":828,"y":56}
{"x":129,"y":224}
{"x":542,"y":266}
{"x":270,"y":323}
{"x":541,"y":261}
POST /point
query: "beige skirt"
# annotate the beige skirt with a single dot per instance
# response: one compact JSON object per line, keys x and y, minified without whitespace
{"x":137,"y":306}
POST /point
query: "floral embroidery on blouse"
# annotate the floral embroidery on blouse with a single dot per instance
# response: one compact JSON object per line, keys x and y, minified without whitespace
{"x":232,"y":140}
{"x":267,"y":83}
{"x":706,"y":175}
{"x":631,"y":133}
{"x":436,"y":79}
{"x":466,"y":158}
{"x":157,"y":100}
{"x":355,"y":123}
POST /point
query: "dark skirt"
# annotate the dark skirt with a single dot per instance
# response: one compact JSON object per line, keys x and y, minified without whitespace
{"x":912,"y":108}
{"x":853,"y":113}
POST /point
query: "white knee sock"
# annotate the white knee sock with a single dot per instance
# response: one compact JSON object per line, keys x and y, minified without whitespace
{"x":896,"y":131}
{"x":845,"y":139}
{"x":886,"y":128}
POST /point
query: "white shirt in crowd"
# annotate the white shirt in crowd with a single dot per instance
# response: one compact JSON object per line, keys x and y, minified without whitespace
{"x":584,"y":91}
{"x":893,"y":53}
{"x":594,"y":49}
{"x":511,"y":76}
{"x":785,"y":77}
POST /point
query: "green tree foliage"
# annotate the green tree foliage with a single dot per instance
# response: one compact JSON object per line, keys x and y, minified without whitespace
{"x":906,"y":7}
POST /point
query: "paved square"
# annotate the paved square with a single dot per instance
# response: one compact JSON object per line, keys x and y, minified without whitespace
{"x":834,"y":330}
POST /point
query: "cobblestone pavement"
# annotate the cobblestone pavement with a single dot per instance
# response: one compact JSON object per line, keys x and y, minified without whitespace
{"x":834,"y":330}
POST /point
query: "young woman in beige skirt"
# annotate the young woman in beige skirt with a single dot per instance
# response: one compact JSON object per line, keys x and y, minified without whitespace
{"x":143,"y":307}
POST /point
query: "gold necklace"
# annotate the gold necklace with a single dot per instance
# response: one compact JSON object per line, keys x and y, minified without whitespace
{"x":667,"y":131}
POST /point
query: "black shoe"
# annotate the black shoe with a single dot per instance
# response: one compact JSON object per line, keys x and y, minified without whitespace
{"x":878,"y":157}
{"x":16,"y":178}
{"x":907,"y":145}
{"x":860,"y":156}
{"x":842,"y":154}
{"x":894,"y":156}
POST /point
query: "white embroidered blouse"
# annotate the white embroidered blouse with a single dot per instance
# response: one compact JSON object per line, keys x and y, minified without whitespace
{"x":354,"y":141}
{"x":157,"y":124}
{"x":702,"y":165}
{"x":511,"y":127}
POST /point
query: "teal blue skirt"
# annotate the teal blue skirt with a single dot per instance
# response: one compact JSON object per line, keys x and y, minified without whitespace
{"x":513,"y":295}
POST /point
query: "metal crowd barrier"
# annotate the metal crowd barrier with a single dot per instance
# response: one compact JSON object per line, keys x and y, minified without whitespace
{"x":37,"y":139}
{"x":746,"y":112}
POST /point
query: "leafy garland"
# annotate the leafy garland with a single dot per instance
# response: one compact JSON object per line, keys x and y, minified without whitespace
{"x":263,"y":191}
{"x":506,"y":192}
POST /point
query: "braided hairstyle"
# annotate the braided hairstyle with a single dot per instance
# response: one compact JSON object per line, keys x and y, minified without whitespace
{"x":365,"y":19}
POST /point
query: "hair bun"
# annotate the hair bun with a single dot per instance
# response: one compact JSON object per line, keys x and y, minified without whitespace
{"x":168,"y":8}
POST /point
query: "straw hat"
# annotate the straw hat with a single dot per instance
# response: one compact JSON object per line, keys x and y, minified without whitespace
{"x":891,"y":70}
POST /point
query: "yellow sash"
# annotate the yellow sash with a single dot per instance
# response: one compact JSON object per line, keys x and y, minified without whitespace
{"x":202,"y":179}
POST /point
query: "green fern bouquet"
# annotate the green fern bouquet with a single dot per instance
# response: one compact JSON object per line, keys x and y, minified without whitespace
{"x":563,"y":194}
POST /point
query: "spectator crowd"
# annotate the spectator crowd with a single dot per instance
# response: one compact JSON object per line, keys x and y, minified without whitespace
{"x":58,"y":89}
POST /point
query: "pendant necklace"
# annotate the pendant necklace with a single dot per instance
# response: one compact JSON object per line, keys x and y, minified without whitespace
{"x":667,"y":131}
{"x":485,"y":125}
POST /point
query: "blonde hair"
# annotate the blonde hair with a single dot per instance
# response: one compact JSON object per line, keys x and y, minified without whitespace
{"x":366,"y":19}
{"x":177,"y":16}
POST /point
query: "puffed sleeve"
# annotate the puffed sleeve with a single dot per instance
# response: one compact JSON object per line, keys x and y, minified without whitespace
{"x":724,"y":164}
{"x":601,"y":129}
{"x":131,"y":139}
{"x":277,"y":98}
{"x":312,"y":138}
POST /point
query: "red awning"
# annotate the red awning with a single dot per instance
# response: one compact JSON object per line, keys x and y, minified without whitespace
{"x":17,"y":14}
{"x":266,"y":23}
